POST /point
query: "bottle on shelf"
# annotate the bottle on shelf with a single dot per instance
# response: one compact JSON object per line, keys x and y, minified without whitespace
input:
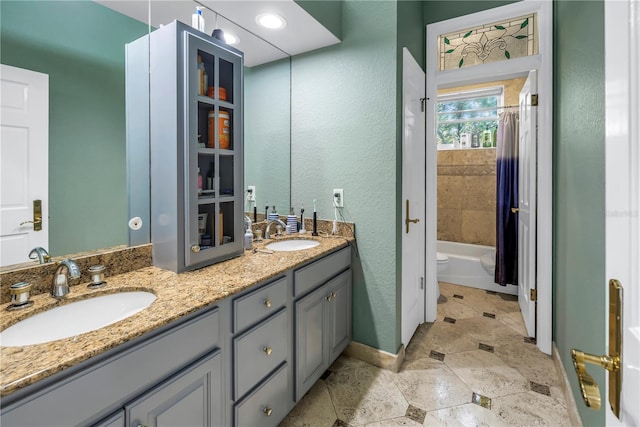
{"x":201,"y":76}
{"x":199,"y":182}
{"x":197,"y":20}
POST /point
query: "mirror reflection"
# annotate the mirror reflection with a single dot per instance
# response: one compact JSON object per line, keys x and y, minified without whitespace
{"x":80,"y":45}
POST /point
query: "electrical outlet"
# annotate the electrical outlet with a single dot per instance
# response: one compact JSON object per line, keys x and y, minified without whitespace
{"x":338,"y":197}
{"x":251,"y":189}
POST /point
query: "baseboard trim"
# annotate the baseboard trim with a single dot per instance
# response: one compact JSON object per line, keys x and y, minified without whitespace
{"x":376,"y":357}
{"x":572,"y":408}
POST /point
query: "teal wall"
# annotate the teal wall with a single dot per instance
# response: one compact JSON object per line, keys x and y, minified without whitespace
{"x":344,"y":136}
{"x":267,"y":139}
{"x":440,"y":10}
{"x":579,"y":194}
{"x":80,"y":45}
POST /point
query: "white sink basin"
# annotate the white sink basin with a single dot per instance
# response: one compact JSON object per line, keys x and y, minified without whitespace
{"x":75,"y":318}
{"x":292,"y":245}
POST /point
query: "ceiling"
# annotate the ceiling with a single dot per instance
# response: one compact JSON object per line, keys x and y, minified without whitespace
{"x":260,"y":45}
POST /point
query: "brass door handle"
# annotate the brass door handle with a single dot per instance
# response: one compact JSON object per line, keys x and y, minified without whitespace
{"x":407,"y":220}
{"x":612,"y":362}
{"x":37,"y":216}
{"x":515,"y":210}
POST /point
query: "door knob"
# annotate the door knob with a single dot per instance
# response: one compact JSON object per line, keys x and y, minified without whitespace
{"x":407,"y":220}
{"x":612,"y":362}
{"x":515,"y":210}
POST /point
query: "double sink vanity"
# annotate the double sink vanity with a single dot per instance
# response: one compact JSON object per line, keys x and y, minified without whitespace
{"x":235,"y":343}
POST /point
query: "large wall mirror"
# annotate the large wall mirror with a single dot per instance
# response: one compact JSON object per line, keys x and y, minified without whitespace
{"x":80,"y":45}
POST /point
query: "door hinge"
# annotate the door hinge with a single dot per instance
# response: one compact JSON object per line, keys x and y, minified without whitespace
{"x":422,"y":283}
{"x":533,"y":294}
{"x":534,"y":100}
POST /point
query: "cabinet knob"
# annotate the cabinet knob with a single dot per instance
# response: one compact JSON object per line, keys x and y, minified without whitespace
{"x":267,"y":411}
{"x":331,"y":296}
{"x":195,"y":248}
{"x":267,"y":351}
{"x":267,"y":303}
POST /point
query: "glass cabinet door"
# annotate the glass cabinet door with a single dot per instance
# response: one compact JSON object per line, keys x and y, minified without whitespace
{"x":213,"y":132}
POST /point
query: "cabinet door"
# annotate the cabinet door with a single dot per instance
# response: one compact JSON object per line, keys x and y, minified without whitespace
{"x":193,"y":397}
{"x":339,"y":317}
{"x":311,"y":354}
{"x":213,"y":166}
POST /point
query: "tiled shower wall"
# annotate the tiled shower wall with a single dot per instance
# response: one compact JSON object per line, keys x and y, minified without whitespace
{"x":467,"y":196}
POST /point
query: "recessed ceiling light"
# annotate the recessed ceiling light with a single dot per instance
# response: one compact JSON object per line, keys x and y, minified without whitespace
{"x":271,"y":21}
{"x":230,"y":38}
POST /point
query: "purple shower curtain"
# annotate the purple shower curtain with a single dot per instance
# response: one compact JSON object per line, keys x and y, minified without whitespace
{"x":506,"y":271}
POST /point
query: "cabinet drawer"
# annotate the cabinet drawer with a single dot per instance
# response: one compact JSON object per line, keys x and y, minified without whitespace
{"x":259,"y":304}
{"x":267,"y":406}
{"x":258,"y":351}
{"x":320,"y":271}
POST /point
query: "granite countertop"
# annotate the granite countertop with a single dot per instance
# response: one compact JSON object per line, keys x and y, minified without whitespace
{"x":177,"y":295}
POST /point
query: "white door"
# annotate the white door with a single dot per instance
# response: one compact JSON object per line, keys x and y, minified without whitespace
{"x":24,"y":154}
{"x":527,"y":167}
{"x":622,"y":68}
{"x":413,"y":196}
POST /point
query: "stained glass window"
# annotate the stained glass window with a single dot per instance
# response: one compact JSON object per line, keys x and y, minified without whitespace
{"x":498,"y":41}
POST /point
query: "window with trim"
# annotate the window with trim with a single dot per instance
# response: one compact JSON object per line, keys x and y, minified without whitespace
{"x":468,"y":119}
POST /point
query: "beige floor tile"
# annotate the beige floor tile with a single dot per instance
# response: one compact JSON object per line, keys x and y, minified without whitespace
{"x":486,"y":374}
{"x":485,"y":302}
{"x":529,"y":361}
{"x":463,"y":416}
{"x":455,"y":310}
{"x":362,"y":393}
{"x":396,"y":422}
{"x":486,"y":330}
{"x":315,"y":409}
{"x":531,"y":408}
{"x":446,"y":338}
{"x":432,"y":388}
{"x":514,"y":321}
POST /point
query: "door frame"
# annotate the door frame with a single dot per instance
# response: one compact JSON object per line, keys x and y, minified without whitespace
{"x":543,"y":62}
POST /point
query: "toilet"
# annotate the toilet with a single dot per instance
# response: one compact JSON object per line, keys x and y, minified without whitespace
{"x":443,"y":263}
{"x":488,"y":261}
{"x":442,"y":266}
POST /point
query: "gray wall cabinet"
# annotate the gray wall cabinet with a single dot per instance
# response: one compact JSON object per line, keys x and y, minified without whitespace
{"x":196,"y":138}
{"x":244,"y":362}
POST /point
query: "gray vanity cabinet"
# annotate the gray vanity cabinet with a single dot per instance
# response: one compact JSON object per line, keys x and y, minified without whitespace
{"x":196,"y":139}
{"x":164,"y":364}
{"x":323,"y":318}
{"x":192,"y":398}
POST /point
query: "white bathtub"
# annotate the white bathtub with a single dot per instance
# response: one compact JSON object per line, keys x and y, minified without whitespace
{"x":464,"y":267}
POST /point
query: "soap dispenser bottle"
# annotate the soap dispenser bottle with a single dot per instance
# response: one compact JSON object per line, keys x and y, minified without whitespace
{"x":248,"y":234}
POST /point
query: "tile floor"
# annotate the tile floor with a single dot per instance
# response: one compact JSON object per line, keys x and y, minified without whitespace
{"x":476,"y":353}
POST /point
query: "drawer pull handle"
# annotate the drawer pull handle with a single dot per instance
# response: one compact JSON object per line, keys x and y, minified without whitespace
{"x":331,"y":296}
{"x":267,"y":303}
{"x":195,"y":249}
{"x":267,"y":411}
{"x":267,"y":351}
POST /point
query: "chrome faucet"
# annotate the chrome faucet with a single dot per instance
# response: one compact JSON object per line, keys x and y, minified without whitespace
{"x":41,"y":254}
{"x":271,"y":221}
{"x":67,"y":269}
